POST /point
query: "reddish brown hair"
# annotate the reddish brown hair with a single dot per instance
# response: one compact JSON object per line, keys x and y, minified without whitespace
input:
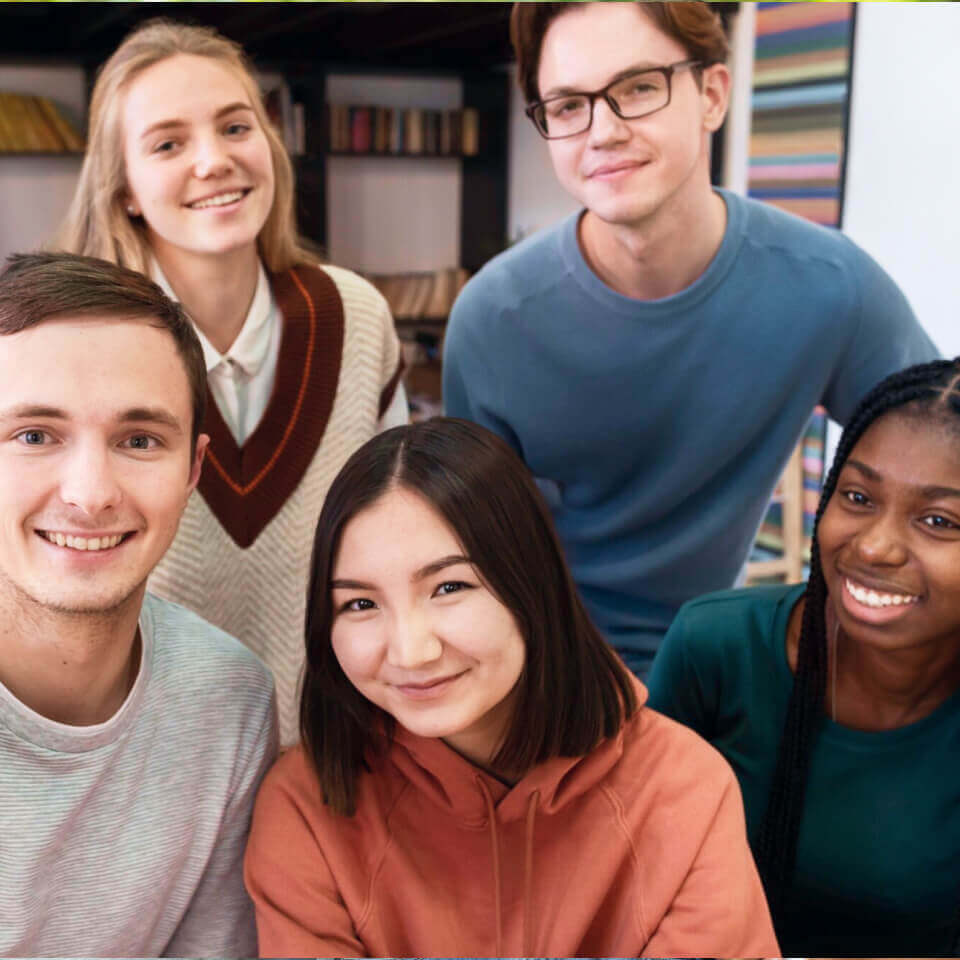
{"x":692,"y":24}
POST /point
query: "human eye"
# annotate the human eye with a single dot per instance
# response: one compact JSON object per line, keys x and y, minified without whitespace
{"x":856,"y":497}
{"x":356,"y":605}
{"x":565,"y":106}
{"x":168,"y":145}
{"x":938,"y":521}
{"x":34,"y":438}
{"x":141,"y":442}
{"x":449,"y":587}
{"x":237,"y":128}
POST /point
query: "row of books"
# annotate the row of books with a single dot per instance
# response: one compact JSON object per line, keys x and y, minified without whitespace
{"x":420,"y":296}
{"x":31,"y":124}
{"x":411,"y":131}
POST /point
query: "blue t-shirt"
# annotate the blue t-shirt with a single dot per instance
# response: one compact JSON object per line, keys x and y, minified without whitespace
{"x":878,"y":854}
{"x":658,"y":429}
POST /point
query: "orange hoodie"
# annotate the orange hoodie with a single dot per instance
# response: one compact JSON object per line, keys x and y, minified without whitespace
{"x":637,"y":849}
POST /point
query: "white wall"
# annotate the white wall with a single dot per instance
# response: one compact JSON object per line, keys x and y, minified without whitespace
{"x":902,"y":200}
{"x":389,"y":214}
{"x":534,"y":198}
{"x":36,"y":191}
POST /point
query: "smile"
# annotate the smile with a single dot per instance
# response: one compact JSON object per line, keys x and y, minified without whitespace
{"x":877,"y":599}
{"x":107,"y":542}
{"x":220,"y":200}
{"x":428,"y":690}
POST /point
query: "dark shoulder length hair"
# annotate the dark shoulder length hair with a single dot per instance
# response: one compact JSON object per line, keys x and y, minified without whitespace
{"x":573,"y":690}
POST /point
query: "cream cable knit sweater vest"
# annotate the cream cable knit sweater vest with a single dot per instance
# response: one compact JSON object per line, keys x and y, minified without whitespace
{"x":257,"y":593}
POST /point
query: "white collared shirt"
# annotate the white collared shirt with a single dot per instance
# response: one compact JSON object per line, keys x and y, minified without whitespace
{"x":241,"y":380}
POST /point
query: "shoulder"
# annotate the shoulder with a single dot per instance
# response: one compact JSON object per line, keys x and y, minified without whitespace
{"x":354,"y":289}
{"x":669,"y":778}
{"x":731,"y":611}
{"x":192,"y":654}
{"x":360,"y":298}
{"x":786,"y":235}
{"x":514,"y":278}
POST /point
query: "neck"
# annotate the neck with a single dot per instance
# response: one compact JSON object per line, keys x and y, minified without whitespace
{"x":874,"y":690}
{"x":216,"y":291}
{"x":660,"y":255}
{"x":72,"y":668}
{"x":885,"y":689}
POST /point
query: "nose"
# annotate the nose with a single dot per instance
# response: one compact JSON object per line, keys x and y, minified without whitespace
{"x":412,"y":643}
{"x":880,"y":542}
{"x":211,"y":157}
{"x":606,"y":128}
{"x":89,"y":482}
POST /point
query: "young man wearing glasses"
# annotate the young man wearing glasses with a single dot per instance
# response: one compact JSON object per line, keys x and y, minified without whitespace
{"x":655,"y":357}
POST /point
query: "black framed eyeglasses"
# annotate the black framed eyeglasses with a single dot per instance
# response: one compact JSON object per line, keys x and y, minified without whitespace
{"x":629,"y":96}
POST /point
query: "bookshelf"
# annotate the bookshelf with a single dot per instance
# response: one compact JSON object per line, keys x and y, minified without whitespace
{"x":35,"y":126}
{"x":482,"y":194}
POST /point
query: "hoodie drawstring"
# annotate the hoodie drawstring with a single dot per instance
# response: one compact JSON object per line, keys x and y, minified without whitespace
{"x":528,"y":874}
{"x":495,"y":841}
{"x":527,"y":869}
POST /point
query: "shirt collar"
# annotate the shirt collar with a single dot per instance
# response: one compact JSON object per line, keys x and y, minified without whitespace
{"x":250,"y":349}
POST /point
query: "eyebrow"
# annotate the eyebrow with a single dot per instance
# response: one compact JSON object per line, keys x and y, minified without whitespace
{"x":930,"y":492}
{"x":428,"y":570}
{"x":176,"y":122}
{"x":35,"y":411}
{"x":151,"y":415}
{"x":566,"y":91}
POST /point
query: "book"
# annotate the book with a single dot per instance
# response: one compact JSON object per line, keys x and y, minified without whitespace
{"x":413,"y":131}
{"x":63,"y":129}
{"x":470,"y":144}
{"x":360,"y":130}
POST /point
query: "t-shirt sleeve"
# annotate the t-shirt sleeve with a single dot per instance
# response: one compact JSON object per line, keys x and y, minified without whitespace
{"x":887,"y":337}
{"x":219,"y":921}
{"x":720,"y":910}
{"x":300,"y":912}
{"x":471,"y":384}
{"x":684,"y":677}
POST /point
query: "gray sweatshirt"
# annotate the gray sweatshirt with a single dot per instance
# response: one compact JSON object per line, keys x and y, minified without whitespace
{"x":127,"y":838}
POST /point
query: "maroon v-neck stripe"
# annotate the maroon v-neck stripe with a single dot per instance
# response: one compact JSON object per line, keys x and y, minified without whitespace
{"x":246,"y":486}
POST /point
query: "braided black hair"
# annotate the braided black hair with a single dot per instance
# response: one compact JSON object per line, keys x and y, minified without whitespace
{"x":931,"y":389}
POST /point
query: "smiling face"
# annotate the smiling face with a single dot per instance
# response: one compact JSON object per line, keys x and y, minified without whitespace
{"x":197,"y":162}
{"x":95,"y":462}
{"x":890,"y":537}
{"x":417,"y":631}
{"x":626,"y":170}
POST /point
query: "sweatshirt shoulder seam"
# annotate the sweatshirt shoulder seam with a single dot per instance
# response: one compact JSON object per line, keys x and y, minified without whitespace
{"x":617,"y":807}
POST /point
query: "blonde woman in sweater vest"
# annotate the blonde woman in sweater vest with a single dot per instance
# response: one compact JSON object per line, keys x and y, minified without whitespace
{"x":186,"y":180}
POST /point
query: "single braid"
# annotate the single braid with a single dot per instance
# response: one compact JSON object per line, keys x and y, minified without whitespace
{"x":928,"y":387}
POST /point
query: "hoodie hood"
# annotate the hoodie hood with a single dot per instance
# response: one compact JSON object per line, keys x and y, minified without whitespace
{"x":446,"y":779}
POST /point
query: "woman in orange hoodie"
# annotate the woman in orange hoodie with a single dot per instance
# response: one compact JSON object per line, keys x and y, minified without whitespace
{"x":478,"y":774}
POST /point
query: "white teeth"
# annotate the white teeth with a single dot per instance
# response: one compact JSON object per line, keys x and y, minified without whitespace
{"x":871,"y":598}
{"x":220,"y":200}
{"x":84,"y":543}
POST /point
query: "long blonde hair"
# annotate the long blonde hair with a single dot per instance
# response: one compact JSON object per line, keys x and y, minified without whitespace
{"x":97,"y":223}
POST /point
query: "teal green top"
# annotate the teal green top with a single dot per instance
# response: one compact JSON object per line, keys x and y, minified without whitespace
{"x":878,"y":856}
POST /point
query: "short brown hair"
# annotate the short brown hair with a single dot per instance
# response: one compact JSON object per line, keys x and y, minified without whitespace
{"x":691,"y":23}
{"x":35,"y":287}
{"x":573,"y":690}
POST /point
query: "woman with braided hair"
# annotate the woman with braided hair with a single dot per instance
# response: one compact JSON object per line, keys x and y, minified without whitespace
{"x":838,"y":702}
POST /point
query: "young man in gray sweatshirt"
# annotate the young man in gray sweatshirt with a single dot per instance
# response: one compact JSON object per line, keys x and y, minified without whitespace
{"x":133,"y":735}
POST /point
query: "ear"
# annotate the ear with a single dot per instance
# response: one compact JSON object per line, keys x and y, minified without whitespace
{"x":130,"y":204}
{"x":202,"y":442}
{"x":715,"y":95}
